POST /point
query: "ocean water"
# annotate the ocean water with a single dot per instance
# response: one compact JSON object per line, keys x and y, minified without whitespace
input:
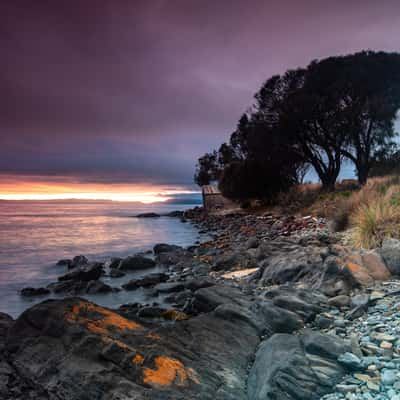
{"x":34,"y":235}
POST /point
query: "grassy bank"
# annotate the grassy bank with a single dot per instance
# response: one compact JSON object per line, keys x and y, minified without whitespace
{"x":372,"y":211}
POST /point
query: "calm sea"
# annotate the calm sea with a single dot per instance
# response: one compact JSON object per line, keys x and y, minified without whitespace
{"x":35,"y":234}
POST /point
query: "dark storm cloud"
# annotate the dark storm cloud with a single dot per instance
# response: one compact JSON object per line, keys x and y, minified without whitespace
{"x":136,"y":90}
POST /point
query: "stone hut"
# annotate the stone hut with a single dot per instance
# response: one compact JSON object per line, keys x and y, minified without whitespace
{"x":213,"y":199}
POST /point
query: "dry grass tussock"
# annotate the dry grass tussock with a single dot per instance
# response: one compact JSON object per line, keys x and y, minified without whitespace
{"x":373,"y":211}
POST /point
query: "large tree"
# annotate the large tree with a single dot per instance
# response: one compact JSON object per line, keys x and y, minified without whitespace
{"x":370,"y":83}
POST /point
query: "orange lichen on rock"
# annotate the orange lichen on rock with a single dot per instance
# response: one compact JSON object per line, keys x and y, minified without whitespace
{"x":353,"y":267}
{"x":138,"y":359}
{"x":168,"y":371}
{"x":154,"y":336}
{"x":100,"y":320}
{"x":174,"y":315}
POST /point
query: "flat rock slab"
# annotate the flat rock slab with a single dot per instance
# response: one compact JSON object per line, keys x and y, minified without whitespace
{"x":240,"y":274}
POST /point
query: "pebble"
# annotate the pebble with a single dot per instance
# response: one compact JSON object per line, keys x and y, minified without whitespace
{"x":375,"y":344}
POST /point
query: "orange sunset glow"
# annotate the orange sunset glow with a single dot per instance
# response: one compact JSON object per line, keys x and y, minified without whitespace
{"x":58,"y":190}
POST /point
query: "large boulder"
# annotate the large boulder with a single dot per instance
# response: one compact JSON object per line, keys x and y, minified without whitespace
{"x":292,"y":367}
{"x":390,"y":252}
{"x":292,"y":264}
{"x":136,"y":262}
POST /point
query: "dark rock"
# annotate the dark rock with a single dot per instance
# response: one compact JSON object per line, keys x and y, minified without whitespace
{"x":30,"y":291}
{"x":114,"y":262}
{"x":78,"y":261}
{"x":148,"y":215}
{"x":390,"y":252}
{"x":232,"y":261}
{"x":351,"y":362}
{"x":252,"y":243}
{"x":85,"y":273}
{"x":305,"y":303}
{"x":71,"y":287}
{"x":180,"y":298}
{"x":116,"y":273}
{"x":323,"y":322}
{"x":94,"y":287}
{"x":147,"y":281}
{"x":136,"y":262}
{"x":195,"y":284}
{"x":339,"y":301}
{"x":175,"y":214}
{"x":169,"y":287}
{"x":173,"y":257}
{"x":78,"y":350}
{"x":66,"y":262}
{"x":296,"y":367}
{"x":5,"y":323}
{"x":165,"y":248}
{"x":151,"y":312}
{"x":292,"y":263}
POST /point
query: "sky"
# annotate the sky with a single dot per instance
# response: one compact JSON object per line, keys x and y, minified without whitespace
{"x":122,"y":97}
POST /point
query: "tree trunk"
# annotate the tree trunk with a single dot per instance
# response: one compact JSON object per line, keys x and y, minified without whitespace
{"x":362,"y":173}
{"x":328,"y":183}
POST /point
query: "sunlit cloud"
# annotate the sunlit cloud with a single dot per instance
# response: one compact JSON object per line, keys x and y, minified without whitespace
{"x":23,"y":188}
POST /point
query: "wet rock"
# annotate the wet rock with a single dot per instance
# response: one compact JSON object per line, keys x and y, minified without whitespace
{"x":173,"y":256}
{"x":68,"y":286}
{"x":148,"y":215}
{"x":169,"y":287}
{"x":31,"y":292}
{"x":147,"y":281}
{"x":175,"y":214}
{"x":113,"y":263}
{"x":78,"y":261}
{"x":136,"y":262}
{"x":84,"y":273}
{"x":151,"y":312}
{"x":116,"y":273}
{"x":65,"y":262}
{"x":95,"y":287}
{"x":165,"y":248}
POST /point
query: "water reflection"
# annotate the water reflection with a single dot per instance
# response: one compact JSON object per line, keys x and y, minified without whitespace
{"x":34,"y":235}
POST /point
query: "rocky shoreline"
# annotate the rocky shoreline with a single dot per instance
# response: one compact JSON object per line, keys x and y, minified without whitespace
{"x":273,"y":307}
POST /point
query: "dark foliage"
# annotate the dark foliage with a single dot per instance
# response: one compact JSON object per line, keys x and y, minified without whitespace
{"x":339,"y":107}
